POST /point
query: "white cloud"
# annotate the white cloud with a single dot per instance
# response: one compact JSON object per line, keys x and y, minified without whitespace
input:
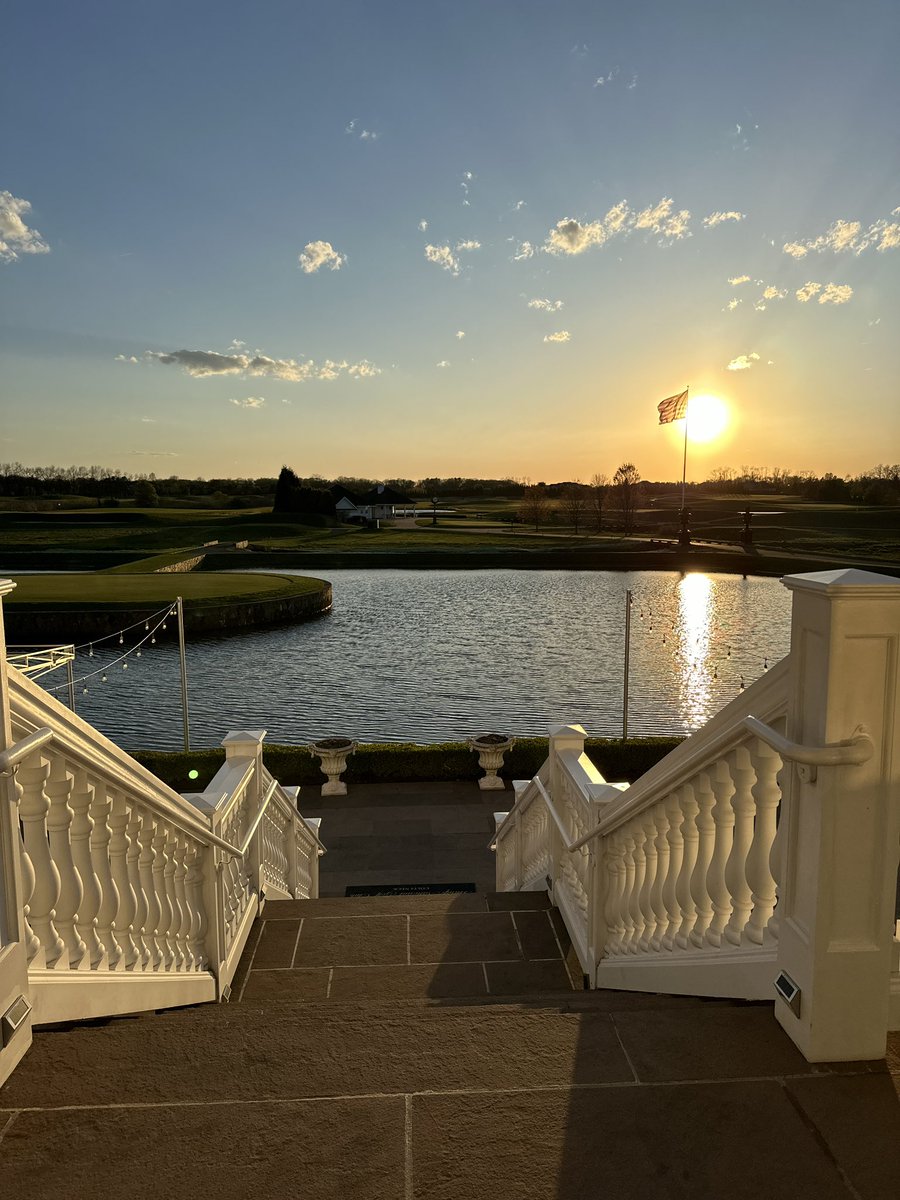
{"x":718,"y":218}
{"x":202,"y":364}
{"x":15,"y":236}
{"x":368,"y":135}
{"x":249,"y":402}
{"x":321,"y":254}
{"x":806,"y":293}
{"x":732,"y":304}
{"x":844,"y":235}
{"x":154,"y":453}
{"x":546,"y":305}
{"x":737,"y":279}
{"x":743,"y":362}
{"x":518,"y":206}
{"x":523,"y":250}
{"x":443,"y":257}
{"x":571,"y":236}
{"x":442,"y":363}
{"x":836,"y":293}
{"x":423,"y":226}
{"x":460,"y":334}
{"x":469,"y":245}
{"x":562,"y":335}
{"x":364,"y":135}
{"x":148,"y":420}
{"x":774,"y":293}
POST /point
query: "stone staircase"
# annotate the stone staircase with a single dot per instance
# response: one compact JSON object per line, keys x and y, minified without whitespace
{"x":438,"y":1047}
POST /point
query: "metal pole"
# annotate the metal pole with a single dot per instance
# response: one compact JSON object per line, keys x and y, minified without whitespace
{"x":684,"y":464}
{"x":179,"y":603}
{"x":627,"y":665}
{"x":70,"y":675}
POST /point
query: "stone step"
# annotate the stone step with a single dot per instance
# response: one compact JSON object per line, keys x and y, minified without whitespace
{"x":319,"y":1051}
{"x":409,"y":905}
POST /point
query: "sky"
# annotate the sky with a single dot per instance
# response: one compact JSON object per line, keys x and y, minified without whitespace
{"x":487,"y":238}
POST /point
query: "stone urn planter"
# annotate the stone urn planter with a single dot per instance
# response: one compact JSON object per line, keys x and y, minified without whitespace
{"x":490,"y":748}
{"x":333,"y":753}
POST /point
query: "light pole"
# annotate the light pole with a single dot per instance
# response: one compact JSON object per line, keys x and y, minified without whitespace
{"x":434,"y":501}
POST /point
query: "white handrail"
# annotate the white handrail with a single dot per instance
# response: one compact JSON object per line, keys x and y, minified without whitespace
{"x":854,"y":750}
{"x":551,"y":808}
{"x":15,"y":754}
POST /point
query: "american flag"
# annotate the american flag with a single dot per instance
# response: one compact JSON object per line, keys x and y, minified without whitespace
{"x":674,"y":408}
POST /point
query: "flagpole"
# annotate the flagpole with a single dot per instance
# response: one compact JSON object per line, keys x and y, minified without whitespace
{"x":684,"y":464}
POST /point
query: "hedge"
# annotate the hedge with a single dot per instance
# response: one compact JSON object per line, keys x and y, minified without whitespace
{"x":392,"y":762}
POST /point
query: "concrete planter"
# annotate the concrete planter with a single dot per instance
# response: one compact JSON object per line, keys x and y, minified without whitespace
{"x":490,"y":748}
{"x":333,"y":753}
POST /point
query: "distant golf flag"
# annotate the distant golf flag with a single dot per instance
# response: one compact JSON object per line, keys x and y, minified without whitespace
{"x":674,"y":408}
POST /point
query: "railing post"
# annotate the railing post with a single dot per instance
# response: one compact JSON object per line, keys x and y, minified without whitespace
{"x":248,"y":743}
{"x":842,"y":823}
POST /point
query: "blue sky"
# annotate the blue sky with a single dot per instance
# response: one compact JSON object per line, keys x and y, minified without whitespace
{"x":166,"y":166}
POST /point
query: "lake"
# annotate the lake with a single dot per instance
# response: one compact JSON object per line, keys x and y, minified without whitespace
{"x":428,"y":656}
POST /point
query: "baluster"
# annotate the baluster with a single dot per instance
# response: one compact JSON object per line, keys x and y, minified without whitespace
{"x":650,"y":863}
{"x":33,"y":808}
{"x":80,"y":833}
{"x":663,"y":868}
{"x":160,"y":862}
{"x":174,"y":904}
{"x":148,"y":887}
{"x":776,"y":856}
{"x":723,"y":820}
{"x":118,"y":851}
{"x":615,"y":865}
{"x":109,"y":894}
{"x":767,"y":795}
{"x":182,"y":933}
{"x":628,"y":891}
{"x":59,"y":819}
{"x":691,"y":840}
{"x":736,"y":868}
{"x":640,"y":871}
{"x":194,"y":888}
{"x":675,"y":816}
{"x":133,"y":829}
{"x":706,"y":831}
{"x":32,"y":941}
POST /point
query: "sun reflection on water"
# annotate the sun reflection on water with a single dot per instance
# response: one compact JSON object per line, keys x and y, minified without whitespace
{"x":695,"y":595}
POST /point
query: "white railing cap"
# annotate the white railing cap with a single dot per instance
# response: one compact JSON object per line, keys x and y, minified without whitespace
{"x":846,"y":581}
{"x":238,"y":739}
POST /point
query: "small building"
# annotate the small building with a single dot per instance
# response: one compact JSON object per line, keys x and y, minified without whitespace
{"x":378,"y":504}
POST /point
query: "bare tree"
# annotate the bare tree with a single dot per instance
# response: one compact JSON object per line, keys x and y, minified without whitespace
{"x":574,"y":503}
{"x":533,"y":508}
{"x":627,"y":481}
{"x":597,"y":498}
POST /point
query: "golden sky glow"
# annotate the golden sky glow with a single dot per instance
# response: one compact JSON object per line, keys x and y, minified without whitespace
{"x":707,"y":418}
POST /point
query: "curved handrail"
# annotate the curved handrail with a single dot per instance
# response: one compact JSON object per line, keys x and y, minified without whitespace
{"x":854,"y":750}
{"x":551,"y":808}
{"x":15,"y":754}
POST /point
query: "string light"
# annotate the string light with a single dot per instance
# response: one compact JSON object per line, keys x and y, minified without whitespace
{"x":136,"y":650}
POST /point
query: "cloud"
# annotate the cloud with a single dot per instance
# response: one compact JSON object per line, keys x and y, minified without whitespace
{"x":546,"y":305}
{"x":571,"y":236}
{"x":249,"y":402}
{"x":523,"y":250}
{"x":518,"y":206}
{"x":466,"y":180}
{"x":737,"y":279}
{"x":443,"y":363}
{"x":836,"y":293}
{"x":460,"y":334}
{"x":562,"y":335}
{"x":320,"y":254}
{"x":718,"y":218}
{"x":732,"y":304}
{"x":423,"y":226}
{"x":774,"y":293}
{"x":469,"y":245}
{"x":154,"y":453}
{"x":367,"y":135}
{"x":806,"y":293}
{"x":15,"y":236}
{"x":743,"y":362}
{"x":201,"y":364}
{"x":843,"y":236}
{"x":443,"y":257}
{"x":148,"y":420}
{"x":364,"y":135}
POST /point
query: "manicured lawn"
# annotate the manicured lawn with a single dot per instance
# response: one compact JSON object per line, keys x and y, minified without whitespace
{"x":90,"y":590}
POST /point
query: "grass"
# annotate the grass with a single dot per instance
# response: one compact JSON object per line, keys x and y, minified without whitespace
{"x":90,"y":590}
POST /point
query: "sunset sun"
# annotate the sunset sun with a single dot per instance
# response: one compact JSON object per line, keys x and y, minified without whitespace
{"x":707,"y":418}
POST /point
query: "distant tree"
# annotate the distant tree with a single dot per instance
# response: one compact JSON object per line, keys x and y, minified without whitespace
{"x":627,"y":482}
{"x":285,"y":487}
{"x":574,"y":503}
{"x":533,"y":508}
{"x":597,"y":498}
{"x":145,"y":495}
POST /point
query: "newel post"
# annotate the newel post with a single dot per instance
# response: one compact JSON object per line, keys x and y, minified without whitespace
{"x":842,"y":823}
{"x":243,"y":744}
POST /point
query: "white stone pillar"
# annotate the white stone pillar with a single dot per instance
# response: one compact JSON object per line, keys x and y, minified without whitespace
{"x":842,"y":827}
